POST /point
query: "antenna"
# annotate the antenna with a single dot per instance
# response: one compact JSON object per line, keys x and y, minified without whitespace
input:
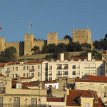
{"x":29,"y":27}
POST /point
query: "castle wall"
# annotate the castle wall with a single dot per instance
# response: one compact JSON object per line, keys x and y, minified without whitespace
{"x":65,"y":41}
{"x":13,"y":44}
{"x":39,"y":43}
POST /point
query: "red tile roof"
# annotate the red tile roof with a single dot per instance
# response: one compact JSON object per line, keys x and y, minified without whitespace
{"x":31,"y":84}
{"x":73,"y":99}
{"x":92,"y":78}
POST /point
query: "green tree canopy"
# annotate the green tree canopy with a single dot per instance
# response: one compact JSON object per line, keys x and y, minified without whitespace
{"x":9,"y":54}
{"x":35,"y":49}
{"x":60,"y":48}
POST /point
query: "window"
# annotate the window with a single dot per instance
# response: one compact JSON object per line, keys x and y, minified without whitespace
{"x":8,"y":69}
{"x":50,"y":74}
{"x":32,"y":74}
{"x":16,"y":68}
{"x":16,"y":75}
{"x":74,"y":73}
{"x":16,"y":102}
{"x":32,"y":67}
{"x":38,"y":66}
{"x":27,"y":74}
{"x":66,"y":73}
{"x":74,"y":67}
{"x":27,"y":67}
{"x":59,"y":66}
{"x":50,"y":78}
{"x":23,"y":74}
{"x":65,"y":66}
{"x":50,"y":67}
{"x":33,"y":102}
{"x":13,"y":75}
{"x":23,"y":67}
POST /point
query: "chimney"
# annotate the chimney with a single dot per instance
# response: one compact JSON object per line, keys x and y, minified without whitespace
{"x":61,"y":56}
{"x":89,"y":56}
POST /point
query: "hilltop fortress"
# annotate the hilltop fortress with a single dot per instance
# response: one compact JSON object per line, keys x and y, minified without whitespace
{"x":24,"y":47}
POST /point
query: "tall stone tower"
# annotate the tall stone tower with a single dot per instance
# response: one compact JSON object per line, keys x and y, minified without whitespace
{"x":2,"y":44}
{"x":82,"y":36}
{"x":28,"y":44}
{"x":52,"y":38}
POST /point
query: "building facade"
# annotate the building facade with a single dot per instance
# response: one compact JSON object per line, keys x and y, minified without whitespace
{"x":96,"y":83}
{"x":20,"y":97}
{"x":30,"y":69}
{"x":74,"y":68}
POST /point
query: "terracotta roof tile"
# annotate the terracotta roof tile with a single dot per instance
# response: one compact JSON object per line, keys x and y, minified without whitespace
{"x":73,"y":99}
{"x":92,"y":78}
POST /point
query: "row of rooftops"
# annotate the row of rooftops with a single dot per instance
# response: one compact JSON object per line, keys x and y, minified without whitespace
{"x":73,"y":97}
{"x":25,"y":62}
{"x":92,"y":78}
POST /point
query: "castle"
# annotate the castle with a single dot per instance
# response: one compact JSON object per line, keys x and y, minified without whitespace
{"x":24,"y":47}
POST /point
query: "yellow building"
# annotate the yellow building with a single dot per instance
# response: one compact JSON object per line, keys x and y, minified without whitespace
{"x":82,"y":36}
{"x":20,"y":96}
{"x":96,"y":83}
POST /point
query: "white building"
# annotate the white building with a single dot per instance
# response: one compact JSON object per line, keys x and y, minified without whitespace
{"x":30,"y":69}
{"x":74,"y":68}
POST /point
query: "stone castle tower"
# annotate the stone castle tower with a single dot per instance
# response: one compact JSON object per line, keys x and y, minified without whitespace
{"x":82,"y":36}
{"x":2,"y":44}
{"x":28,"y":43}
{"x":52,"y":38}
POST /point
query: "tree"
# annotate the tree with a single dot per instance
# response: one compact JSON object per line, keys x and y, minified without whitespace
{"x":35,"y":49}
{"x":73,"y":47}
{"x":9,"y":54}
{"x":97,"y":45}
{"x":68,"y":37}
{"x":60,"y":48}
{"x":51,"y":48}
{"x":86,"y":47}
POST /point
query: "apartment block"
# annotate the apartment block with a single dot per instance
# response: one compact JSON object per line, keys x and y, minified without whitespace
{"x":27,"y":69}
{"x":74,"y":68}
